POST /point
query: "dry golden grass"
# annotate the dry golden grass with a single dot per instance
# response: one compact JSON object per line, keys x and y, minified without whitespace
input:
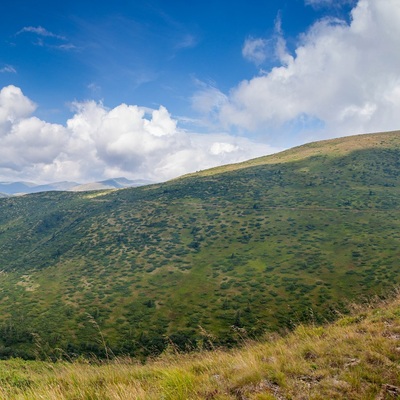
{"x":358,"y":357}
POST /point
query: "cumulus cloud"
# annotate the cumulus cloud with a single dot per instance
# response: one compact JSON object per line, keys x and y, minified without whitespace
{"x":32,"y":141}
{"x":344,"y":77}
{"x":13,"y":106}
{"x":98,"y":143}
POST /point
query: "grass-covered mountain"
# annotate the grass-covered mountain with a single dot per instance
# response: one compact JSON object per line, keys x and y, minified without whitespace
{"x":207,"y":258}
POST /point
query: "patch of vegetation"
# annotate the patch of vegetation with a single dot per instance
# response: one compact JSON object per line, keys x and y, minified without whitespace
{"x":240,"y":250}
{"x":355,"y":358}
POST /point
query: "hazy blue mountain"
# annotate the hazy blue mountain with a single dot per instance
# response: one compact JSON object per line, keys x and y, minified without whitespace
{"x":115,"y":183}
{"x":17,"y":188}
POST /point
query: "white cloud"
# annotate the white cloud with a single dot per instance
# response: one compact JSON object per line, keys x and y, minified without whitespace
{"x":255,"y":50}
{"x":94,"y":87}
{"x":98,"y":143}
{"x":9,"y":69}
{"x":208,"y":99}
{"x":40,"y":31}
{"x":221,"y":148}
{"x":32,"y":141}
{"x":258,"y":50}
{"x":345,"y":77}
{"x":209,"y":150}
{"x":45,"y":38}
{"x":13,"y":105}
{"x":68,"y":46}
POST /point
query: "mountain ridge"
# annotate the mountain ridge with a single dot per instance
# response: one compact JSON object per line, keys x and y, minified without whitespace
{"x":21,"y":187}
{"x":336,"y":146}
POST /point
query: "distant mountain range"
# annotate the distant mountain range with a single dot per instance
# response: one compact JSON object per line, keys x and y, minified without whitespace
{"x":18,"y":188}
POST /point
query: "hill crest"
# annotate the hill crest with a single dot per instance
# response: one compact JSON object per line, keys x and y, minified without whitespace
{"x":329,"y":147}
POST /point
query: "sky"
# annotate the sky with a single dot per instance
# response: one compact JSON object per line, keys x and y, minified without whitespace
{"x":159,"y":88}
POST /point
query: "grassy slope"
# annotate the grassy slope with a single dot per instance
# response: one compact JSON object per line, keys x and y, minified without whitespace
{"x":357,"y":357}
{"x":259,"y":246}
{"x":333,"y":148}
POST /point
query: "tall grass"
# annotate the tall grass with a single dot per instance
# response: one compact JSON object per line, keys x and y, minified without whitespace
{"x":357,"y":357}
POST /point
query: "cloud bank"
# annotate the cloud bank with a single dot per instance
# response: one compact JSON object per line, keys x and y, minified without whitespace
{"x":343,"y":78}
{"x":98,"y":143}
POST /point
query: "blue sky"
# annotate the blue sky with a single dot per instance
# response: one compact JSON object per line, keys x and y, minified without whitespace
{"x":154,"y":89}
{"x":149,"y":53}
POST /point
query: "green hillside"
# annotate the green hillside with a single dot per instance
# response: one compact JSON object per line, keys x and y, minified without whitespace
{"x":208,"y":258}
{"x":355,"y":358}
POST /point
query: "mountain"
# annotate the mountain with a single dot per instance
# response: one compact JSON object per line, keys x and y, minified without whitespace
{"x":252,"y":247}
{"x":65,"y":185}
{"x":117,"y":183}
{"x":355,"y":358}
{"x":17,"y":188}
{"x":14,"y":188}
